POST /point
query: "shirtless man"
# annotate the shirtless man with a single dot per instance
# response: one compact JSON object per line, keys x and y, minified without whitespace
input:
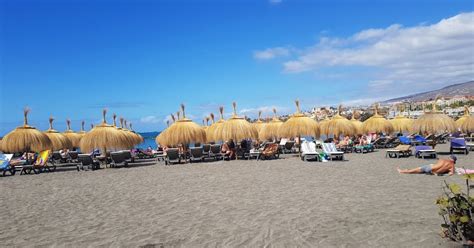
{"x":441,"y":167}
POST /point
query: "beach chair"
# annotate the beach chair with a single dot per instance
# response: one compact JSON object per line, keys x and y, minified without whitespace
{"x":289,"y":147}
{"x":459,"y":144}
{"x":5,"y":164}
{"x":308,"y":151}
{"x":57,"y":158}
{"x":172,"y":156}
{"x":404,"y":140}
{"x":270,"y":152}
{"x":73,"y":156}
{"x":216,"y":152}
{"x":399,"y":151}
{"x":206,"y":149}
{"x":196,"y":154}
{"x":86,"y":160}
{"x":379,"y":142}
{"x":332,"y":152}
{"x":418,"y":140}
{"x":424,"y":151}
{"x":282,"y":144}
{"x":39,"y":165}
{"x":391,"y":142}
{"x":117,"y":159}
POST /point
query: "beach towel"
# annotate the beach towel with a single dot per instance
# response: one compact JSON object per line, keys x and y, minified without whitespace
{"x":5,"y":160}
{"x":42,"y":158}
{"x":462,"y":171}
{"x":404,"y":140}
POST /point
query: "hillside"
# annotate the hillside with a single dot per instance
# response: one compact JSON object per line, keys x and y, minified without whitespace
{"x":463,"y":89}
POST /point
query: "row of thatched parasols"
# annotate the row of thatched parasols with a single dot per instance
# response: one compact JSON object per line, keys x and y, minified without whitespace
{"x":185,"y":131}
{"x":27,"y":138}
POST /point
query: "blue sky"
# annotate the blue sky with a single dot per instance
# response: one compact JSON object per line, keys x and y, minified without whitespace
{"x":141,"y":59}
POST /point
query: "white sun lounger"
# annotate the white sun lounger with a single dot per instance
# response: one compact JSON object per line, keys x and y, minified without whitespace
{"x":308,"y":150}
{"x":331,"y":150}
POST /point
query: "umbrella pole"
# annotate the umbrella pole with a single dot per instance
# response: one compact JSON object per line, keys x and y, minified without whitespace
{"x":299,"y":142}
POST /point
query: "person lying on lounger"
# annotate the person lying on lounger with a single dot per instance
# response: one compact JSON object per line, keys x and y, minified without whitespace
{"x":443,"y":166}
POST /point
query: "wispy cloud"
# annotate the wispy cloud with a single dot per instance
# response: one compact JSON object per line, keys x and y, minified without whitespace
{"x":403,"y":58}
{"x":271,"y":53}
{"x":151,"y":119}
{"x":275,"y":1}
{"x":266,"y":110}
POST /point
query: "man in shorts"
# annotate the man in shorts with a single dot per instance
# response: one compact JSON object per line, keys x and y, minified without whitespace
{"x":443,"y":166}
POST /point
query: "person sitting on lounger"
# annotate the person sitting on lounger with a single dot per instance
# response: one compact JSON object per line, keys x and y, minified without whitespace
{"x":226,"y":151}
{"x":443,"y":166}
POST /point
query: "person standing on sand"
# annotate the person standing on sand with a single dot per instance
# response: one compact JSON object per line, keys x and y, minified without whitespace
{"x":443,"y":166}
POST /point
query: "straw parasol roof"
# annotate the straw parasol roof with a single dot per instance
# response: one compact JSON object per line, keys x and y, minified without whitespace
{"x":82,"y":132}
{"x":271,"y":129}
{"x":58,"y":140}
{"x":466,"y":122}
{"x":357,"y":124}
{"x":25,"y":139}
{"x":126,"y":138}
{"x":161,"y":138}
{"x":259,"y":123}
{"x":211,"y":131}
{"x":323,"y":125}
{"x":183,"y":131}
{"x":434,"y":122}
{"x":73,"y":136}
{"x":338,"y":125}
{"x":401,"y":123}
{"x":102,"y":136}
{"x":236,"y":128}
{"x":377,"y":123}
{"x":138,"y":138}
{"x":299,"y":125}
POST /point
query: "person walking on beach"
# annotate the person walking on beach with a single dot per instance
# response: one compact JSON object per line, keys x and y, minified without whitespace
{"x":443,"y":166}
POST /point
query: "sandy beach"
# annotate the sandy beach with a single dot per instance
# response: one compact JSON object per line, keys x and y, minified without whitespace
{"x":362,"y":202}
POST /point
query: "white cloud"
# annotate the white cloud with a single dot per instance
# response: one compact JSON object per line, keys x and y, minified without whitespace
{"x":266,"y":111}
{"x":151,"y":119}
{"x":402,"y":59}
{"x":271,"y":53}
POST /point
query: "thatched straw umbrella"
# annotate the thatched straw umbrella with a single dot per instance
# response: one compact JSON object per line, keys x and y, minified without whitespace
{"x":466,"y":122}
{"x":139,"y":139}
{"x":73,"y":136}
{"x":25,"y":139}
{"x":83,"y":131}
{"x":339,"y":125}
{"x":357,"y":124}
{"x":259,"y":123}
{"x":235,"y":128}
{"x":102,"y":136}
{"x":184,"y":131}
{"x":323,"y":126}
{"x":434,"y":121}
{"x":58,"y":140}
{"x":126,"y":138}
{"x":299,"y":125}
{"x":211,"y":131}
{"x":401,"y":123}
{"x":377,"y":123}
{"x":271,"y":129}
{"x":162,"y":137}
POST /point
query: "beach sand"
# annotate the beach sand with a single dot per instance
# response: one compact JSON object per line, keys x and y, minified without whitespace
{"x":362,"y":202}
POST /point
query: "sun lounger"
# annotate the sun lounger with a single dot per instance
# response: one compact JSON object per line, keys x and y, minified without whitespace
{"x":308,"y":151}
{"x":399,"y":151}
{"x":73,"y":156}
{"x":425,"y":151}
{"x":216,"y":152}
{"x":172,"y":156}
{"x":206,"y":149}
{"x":5,"y":164}
{"x":196,"y":154}
{"x":270,"y":152}
{"x":404,"y":140}
{"x":418,"y":140}
{"x":379,"y":143}
{"x":118,"y":159}
{"x":289,"y":147}
{"x":459,"y":144}
{"x":331,"y":150}
{"x":391,"y":142}
{"x":39,"y":165}
{"x":86,"y":160}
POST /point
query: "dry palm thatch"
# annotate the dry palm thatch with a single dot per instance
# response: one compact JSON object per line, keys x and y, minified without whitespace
{"x":73,"y":136}
{"x":138,"y":138}
{"x":339,"y":125}
{"x":235,"y":128}
{"x":183,"y":131}
{"x":323,"y":126}
{"x":161,"y":138}
{"x":357,"y":124}
{"x":466,"y":122}
{"x":271,"y":129}
{"x":25,"y":139}
{"x":401,"y":123}
{"x":377,"y":123}
{"x":82,"y":132}
{"x":102,"y":136}
{"x":259,"y":123}
{"x":58,"y":140}
{"x":211,"y":131}
{"x":434,"y":122}
{"x":126,"y":138}
{"x":299,"y":125}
